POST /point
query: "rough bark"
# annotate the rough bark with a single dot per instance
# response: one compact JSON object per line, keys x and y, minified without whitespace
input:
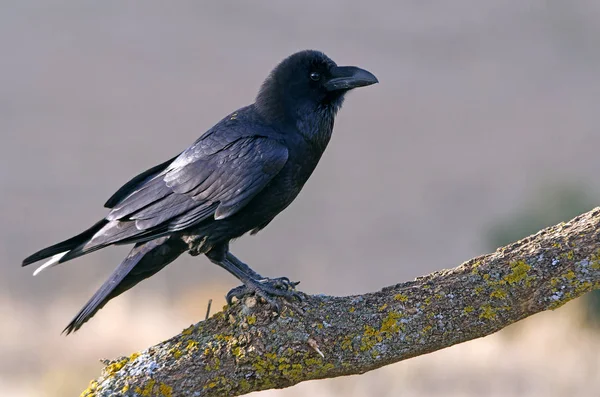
{"x":247,"y":348}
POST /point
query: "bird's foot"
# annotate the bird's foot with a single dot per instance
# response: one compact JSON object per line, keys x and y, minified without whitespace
{"x":268,"y":289}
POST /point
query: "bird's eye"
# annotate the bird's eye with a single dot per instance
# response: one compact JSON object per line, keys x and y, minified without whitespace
{"x":314,"y":76}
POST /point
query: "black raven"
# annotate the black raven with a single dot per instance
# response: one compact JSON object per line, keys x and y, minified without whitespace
{"x":234,"y":179}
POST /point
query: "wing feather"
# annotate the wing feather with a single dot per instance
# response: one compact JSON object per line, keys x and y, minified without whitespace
{"x":202,"y":182}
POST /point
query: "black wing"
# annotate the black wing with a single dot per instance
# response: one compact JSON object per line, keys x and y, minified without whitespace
{"x":136,"y":182}
{"x":207,"y":180}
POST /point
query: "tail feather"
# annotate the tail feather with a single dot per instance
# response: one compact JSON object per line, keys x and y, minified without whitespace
{"x":64,"y":246}
{"x":144,"y":260}
{"x":55,"y":260}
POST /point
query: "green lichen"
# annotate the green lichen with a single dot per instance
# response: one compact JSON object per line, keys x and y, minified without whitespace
{"x":220,"y":384}
{"x":251,"y":320}
{"x":216,"y":364}
{"x":595,"y":260}
{"x":575,"y":288}
{"x":263,"y":366}
{"x":347,"y":343}
{"x":291,"y":365}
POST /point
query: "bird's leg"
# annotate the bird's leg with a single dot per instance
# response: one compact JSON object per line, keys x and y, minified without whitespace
{"x":242,"y":266}
{"x":243,"y":290}
{"x":253,"y":283}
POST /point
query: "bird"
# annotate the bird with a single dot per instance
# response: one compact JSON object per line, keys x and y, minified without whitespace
{"x":232,"y":180}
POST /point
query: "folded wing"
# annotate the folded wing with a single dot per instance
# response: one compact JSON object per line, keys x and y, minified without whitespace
{"x":202,"y":182}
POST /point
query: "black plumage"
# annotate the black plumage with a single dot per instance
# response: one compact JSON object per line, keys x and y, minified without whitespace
{"x":234,"y":179}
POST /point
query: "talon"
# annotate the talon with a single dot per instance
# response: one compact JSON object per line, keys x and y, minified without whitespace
{"x":238,"y":292}
{"x":267,"y":289}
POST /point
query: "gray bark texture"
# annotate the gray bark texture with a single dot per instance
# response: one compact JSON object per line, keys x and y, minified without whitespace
{"x":247,"y":347}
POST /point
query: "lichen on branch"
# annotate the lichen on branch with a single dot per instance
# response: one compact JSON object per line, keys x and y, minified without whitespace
{"x":247,"y":347}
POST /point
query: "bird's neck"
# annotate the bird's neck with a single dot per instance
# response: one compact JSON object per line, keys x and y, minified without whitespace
{"x":313,"y":121}
{"x":316,"y":126}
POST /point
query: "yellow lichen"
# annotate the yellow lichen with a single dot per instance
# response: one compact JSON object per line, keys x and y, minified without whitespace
{"x":165,"y":390}
{"x":237,"y":351}
{"x":91,"y":390}
{"x":352,"y":309}
{"x":188,"y":330}
{"x":192,"y":346}
{"x":519,"y":272}
{"x":468,"y":309}
{"x":498,"y":293}
{"x":347,"y":343}
{"x":216,"y":365}
{"x":223,"y":337}
{"x":382,"y":307}
{"x":595,"y":260}
{"x":115,"y":367}
{"x":488,"y":312}
{"x":251,"y":320}
{"x":389,"y":327}
{"x":147,"y":390}
{"x":401,"y":298}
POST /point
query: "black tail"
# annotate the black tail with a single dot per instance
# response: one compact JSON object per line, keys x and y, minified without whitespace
{"x":66,"y":245}
{"x":144,"y":260}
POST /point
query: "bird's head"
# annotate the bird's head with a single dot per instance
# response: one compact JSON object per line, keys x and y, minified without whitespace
{"x":305,"y":82}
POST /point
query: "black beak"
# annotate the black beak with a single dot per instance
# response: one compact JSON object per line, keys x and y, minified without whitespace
{"x":348,"y":77}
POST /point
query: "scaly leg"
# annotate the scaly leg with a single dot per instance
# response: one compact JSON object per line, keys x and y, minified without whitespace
{"x":254,"y":283}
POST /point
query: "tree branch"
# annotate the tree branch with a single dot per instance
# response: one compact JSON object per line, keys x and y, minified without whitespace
{"x":248,"y":348}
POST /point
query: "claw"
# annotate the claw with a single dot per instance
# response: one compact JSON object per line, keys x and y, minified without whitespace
{"x":266,"y":289}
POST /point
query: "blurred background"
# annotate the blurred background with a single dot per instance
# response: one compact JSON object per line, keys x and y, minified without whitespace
{"x":485,"y":128}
